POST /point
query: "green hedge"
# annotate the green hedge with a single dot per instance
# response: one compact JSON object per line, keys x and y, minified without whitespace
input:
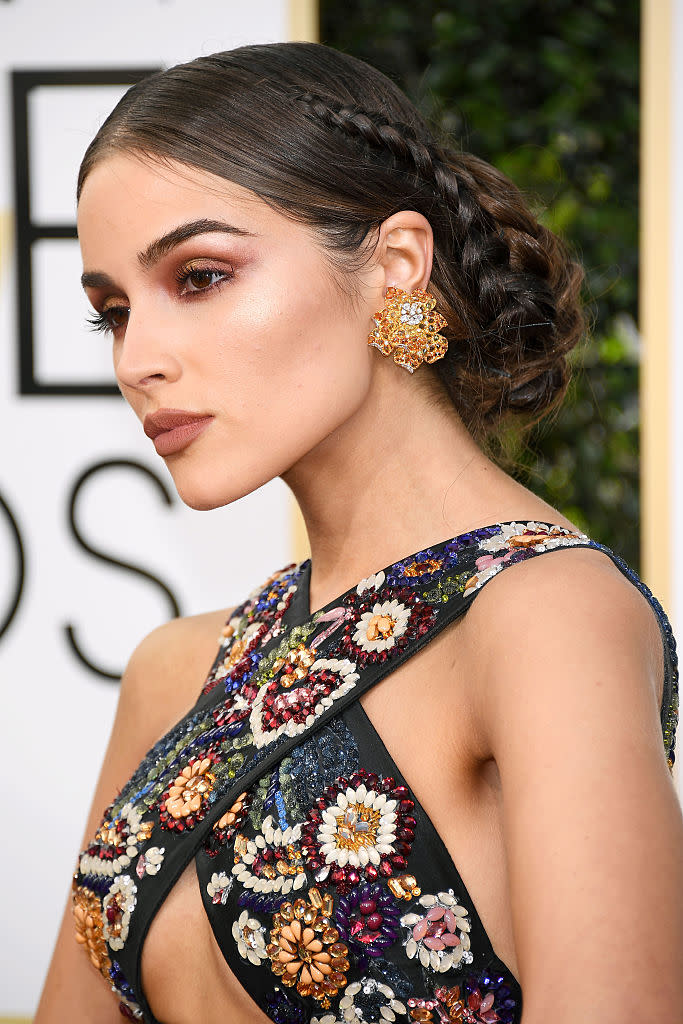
{"x":547,"y":90}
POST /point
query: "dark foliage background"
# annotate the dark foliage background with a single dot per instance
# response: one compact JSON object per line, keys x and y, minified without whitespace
{"x":547,"y":90}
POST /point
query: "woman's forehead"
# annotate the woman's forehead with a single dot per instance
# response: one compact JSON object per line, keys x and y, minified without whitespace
{"x":126,"y":182}
{"x":136,"y":200}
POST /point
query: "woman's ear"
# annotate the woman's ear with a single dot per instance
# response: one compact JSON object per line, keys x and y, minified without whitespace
{"x":405,"y":250}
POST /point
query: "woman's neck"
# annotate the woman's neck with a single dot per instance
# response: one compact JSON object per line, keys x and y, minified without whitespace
{"x":400,"y":474}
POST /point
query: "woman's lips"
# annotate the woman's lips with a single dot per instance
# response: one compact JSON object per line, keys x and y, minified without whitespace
{"x":172,"y":430}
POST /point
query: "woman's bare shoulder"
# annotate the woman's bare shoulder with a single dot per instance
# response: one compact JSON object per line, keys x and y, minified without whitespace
{"x":571,"y":601}
{"x":162,"y":681}
{"x":168,"y":668}
{"x":569,"y":667}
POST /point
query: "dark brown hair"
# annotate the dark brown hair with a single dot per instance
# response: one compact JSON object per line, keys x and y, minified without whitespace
{"x":331,"y":142}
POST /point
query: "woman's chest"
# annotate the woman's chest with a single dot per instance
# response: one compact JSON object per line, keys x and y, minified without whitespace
{"x":184,"y":974}
{"x":404,"y":726}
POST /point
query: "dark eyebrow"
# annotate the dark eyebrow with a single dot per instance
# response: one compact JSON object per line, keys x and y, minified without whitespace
{"x":94,"y":279}
{"x":156,"y":250}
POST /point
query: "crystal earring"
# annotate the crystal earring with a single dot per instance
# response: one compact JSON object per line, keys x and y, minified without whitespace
{"x":408,"y":327}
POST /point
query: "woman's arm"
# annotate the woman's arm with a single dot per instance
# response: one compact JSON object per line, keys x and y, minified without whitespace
{"x":162,"y":681}
{"x":569,"y":704}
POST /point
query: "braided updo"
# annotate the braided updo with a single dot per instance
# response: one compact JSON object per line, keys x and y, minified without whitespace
{"x":330,"y":141}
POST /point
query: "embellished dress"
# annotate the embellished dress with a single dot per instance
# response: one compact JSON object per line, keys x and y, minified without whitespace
{"x":330,"y":893}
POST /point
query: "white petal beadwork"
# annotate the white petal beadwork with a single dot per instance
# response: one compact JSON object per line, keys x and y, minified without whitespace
{"x":358,"y":829}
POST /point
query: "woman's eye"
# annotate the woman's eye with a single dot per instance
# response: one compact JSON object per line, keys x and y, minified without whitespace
{"x":201,"y":279}
{"x":110,"y":319}
{"x":117,"y":316}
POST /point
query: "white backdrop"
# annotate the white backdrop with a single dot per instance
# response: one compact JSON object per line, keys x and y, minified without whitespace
{"x":57,"y":712}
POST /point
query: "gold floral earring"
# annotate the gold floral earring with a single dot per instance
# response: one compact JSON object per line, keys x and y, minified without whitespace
{"x":408,"y":327}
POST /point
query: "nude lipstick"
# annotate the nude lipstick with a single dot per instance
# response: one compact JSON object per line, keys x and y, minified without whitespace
{"x":172,"y":430}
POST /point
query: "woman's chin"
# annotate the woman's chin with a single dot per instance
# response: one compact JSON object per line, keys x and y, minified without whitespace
{"x":203,"y":492}
{"x":203,"y":497}
{"x":207,"y":482}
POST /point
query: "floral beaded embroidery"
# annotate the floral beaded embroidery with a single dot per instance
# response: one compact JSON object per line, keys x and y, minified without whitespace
{"x":118,"y":905}
{"x":249,"y":935}
{"x":89,"y":927}
{"x":439,"y":935}
{"x":219,"y":887}
{"x":305,"y":950}
{"x":308,"y":853}
{"x":377,"y":629}
{"x":250,"y":627}
{"x":363,"y":826}
{"x":366,"y":1001}
{"x":272,"y":862}
{"x":282,"y":708}
{"x":483,"y":998}
{"x":516,"y":540}
{"x":116,"y":842}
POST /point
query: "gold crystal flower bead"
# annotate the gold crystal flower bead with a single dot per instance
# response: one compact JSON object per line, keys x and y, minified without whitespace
{"x":408,"y":327}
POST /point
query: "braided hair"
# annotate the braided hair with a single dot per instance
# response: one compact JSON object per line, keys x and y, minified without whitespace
{"x":331,"y":142}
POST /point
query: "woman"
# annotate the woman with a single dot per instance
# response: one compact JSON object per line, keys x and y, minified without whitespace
{"x":265,"y":233}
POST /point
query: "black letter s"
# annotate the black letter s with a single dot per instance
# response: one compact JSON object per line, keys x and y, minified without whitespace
{"x":109,"y":559}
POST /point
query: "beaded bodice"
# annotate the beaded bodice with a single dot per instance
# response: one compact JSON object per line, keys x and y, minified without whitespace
{"x":331,"y":895}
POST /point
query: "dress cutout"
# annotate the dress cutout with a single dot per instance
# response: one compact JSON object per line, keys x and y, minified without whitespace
{"x":330,"y":893}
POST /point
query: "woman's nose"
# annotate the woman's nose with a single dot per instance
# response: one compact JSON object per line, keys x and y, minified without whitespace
{"x":144,"y":356}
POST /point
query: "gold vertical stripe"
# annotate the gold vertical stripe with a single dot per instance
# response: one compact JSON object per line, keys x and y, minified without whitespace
{"x":303,"y":25}
{"x":5,"y":250}
{"x":303,"y":21}
{"x":655,"y":297}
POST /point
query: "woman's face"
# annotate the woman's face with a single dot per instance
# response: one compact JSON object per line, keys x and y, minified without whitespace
{"x":232,"y":340}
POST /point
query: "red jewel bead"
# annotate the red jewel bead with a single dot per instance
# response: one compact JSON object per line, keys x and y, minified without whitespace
{"x":371,"y":872}
{"x":406,"y":805}
{"x":401,"y":792}
{"x":353,"y":876}
{"x":386,"y":785}
{"x":403,"y":848}
{"x":409,"y":822}
{"x":374,"y":922}
{"x":385,"y":868}
{"x":399,"y":862}
{"x":406,"y":833}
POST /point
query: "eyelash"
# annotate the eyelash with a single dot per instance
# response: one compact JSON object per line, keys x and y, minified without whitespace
{"x":101,"y":322}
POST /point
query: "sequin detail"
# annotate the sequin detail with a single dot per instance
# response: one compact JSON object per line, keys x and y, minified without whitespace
{"x":262,"y":782}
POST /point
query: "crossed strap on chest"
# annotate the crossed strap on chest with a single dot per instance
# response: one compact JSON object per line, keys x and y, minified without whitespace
{"x":328,"y":671}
